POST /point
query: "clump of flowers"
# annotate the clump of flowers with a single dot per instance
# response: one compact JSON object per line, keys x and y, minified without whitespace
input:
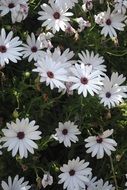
{"x":66,"y":96}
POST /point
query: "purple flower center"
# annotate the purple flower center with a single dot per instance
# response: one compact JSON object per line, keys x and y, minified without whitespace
{"x":108,"y":21}
{"x":65,"y":131}
{"x":56,"y":15}
{"x":3,"y":49}
{"x":11,"y":5}
{"x":108,"y":94}
{"x":21,"y":135}
{"x":88,"y":64}
{"x":99,"y":140}
{"x":72,"y":172}
{"x":84,"y":80}
{"x":50,"y":74}
{"x":34,"y":49}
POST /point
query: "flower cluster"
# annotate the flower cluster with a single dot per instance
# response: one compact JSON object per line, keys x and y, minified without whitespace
{"x":87,"y":75}
{"x":81,"y":72}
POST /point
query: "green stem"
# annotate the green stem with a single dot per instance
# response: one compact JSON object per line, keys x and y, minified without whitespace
{"x":114,"y":175}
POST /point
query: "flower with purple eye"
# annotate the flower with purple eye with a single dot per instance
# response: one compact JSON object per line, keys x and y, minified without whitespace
{"x":100,"y":144}
{"x":67,"y":132}
{"x":33,"y":48}
{"x":110,"y":22}
{"x":75,"y":174}
{"x":10,"y":50}
{"x":20,"y":136}
{"x":54,"y":16}
{"x":112,"y":91}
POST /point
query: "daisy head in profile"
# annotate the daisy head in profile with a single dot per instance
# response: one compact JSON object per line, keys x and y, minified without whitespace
{"x":47,"y":180}
{"x":20,"y":136}
{"x":100,"y":144}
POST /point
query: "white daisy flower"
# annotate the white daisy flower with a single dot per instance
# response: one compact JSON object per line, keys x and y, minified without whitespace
{"x":67,"y":132}
{"x":104,"y":186}
{"x":20,"y":137}
{"x":33,"y":48}
{"x":99,"y":144}
{"x":75,"y":174}
{"x":9,"y":48}
{"x":16,"y":184}
{"x":51,"y":72}
{"x":66,"y":3}
{"x":55,"y":17}
{"x":89,"y":58}
{"x":20,"y":13}
{"x":85,"y":80}
{"x":120,"y":6}
{"x":18,"y":9}
{"x":111,"y":22}
{"x":112,"y":92}
{"x":91,"y":184}
{"x":64,"y":57}
{"x":7,"y":6}
{"x":47,"y":180}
